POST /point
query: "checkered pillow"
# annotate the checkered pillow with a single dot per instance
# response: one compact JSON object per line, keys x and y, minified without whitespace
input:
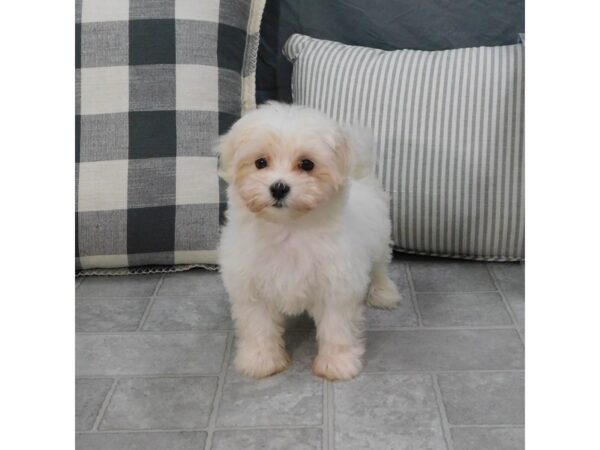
{"x":156,"y":82}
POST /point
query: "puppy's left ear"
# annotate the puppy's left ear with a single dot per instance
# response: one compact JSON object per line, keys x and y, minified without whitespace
{"x":354,"y":151}
{"x":225,"y":149}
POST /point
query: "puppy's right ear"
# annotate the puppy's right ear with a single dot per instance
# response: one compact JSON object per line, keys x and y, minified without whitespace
{"x":359,"y":141}
{"x":225,"y":149}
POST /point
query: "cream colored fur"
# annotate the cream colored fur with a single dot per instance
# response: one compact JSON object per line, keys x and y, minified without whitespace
{"x":325,"y":251}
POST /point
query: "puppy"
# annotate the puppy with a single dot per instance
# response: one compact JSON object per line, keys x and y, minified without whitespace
{"x":308,"y":229}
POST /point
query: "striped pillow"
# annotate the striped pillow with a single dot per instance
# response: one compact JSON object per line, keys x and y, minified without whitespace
{"x":448,"y":127}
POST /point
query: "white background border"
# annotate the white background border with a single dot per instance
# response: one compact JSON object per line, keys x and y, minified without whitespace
{"x":563,"y":225}
{"x":38,"y":193}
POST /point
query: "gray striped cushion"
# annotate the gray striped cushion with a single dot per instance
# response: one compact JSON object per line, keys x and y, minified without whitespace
{"x":448,"y":127}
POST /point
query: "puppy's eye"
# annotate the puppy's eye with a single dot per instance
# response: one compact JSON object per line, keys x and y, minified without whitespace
{"x":260,"y":163}
{"x":306,"y":165}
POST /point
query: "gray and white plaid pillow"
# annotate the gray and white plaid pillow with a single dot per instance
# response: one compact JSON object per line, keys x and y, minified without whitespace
{"x":156,"y":82}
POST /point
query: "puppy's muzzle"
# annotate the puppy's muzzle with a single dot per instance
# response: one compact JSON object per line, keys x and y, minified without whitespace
{"x":279,"y":190}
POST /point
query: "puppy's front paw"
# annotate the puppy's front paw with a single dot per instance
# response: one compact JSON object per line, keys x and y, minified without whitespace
{"x":259,"y":362}
{"x":338,"y":366}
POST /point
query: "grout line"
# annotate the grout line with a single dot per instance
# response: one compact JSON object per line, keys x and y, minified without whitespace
{"x":501,"y":425}
{"x":511,"y":313}
{"x":226,"y":330}
{"x":328,"y":435}
{"x":113,"y":299}
{"x":439,"y":372}
{"x":150,"y":303}
{"x":374,"y":372}
{"x":158,"y":285}
{"x":142,"y":430}
{"x":331,"y":415}
{"x":180,"y":296}
{"x":105,"y":403}
{"x":176,"y":296}
{"x":199,"y":295}
{"x":150,"y":375}
{"x":521,"y":336}
{"x":445,"y":328}
{"x":212,"y":422}
{"x":413,"y":294}
{"x":495,"y":291}
{"x":442,"y":411}
{"x":176,"y":430}
{"x":145,"y":315}
{"x":151,"y":333}
{"x":507,"y":304}
{"x":269,"y":427}
{"x":325,"y":411}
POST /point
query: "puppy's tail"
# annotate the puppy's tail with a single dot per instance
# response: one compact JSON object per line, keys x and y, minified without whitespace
{"x":360,"y":141}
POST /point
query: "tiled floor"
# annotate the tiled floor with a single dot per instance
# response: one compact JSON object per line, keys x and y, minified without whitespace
{"x":443,"y":371}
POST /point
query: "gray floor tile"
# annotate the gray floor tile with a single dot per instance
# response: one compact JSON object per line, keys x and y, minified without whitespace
{"x":443,"y":350}
{"x":487,"y":398}
{"x":191,"y":283}
{"x":89,"y":396}
{"x":178,"y":440}
{"x":402,"y":316}
{"x":294,"y":439}
{"x":148,"y":354}
{"x":163,"y":403}
{"x":202,"y":312}
{"x":519,"y":309}
{"x":464,"y":309}
{"x":450,"y":276}
{"x":488,"y":438}
{"x":118,"y":286}
{"x":293,"y":397}
{"x":387,"y":411}
{"x":399,"y":274}
{"x":376,"y":410}
{"x":109,"y":314}
{"x":511,"y":278}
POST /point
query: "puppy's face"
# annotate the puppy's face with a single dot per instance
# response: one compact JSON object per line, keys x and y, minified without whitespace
{"x":284,"y":161}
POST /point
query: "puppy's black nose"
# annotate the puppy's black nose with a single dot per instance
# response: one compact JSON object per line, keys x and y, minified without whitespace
{"x":279,"y":190}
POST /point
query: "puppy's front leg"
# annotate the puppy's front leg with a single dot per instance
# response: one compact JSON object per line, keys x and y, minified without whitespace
{"x":340,"y":343}
{"x":260,"y":346}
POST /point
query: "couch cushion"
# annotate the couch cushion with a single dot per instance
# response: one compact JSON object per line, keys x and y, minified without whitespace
{"x":448,"y":128}
{"x":156,"y":82}
{"x":382,"y":24}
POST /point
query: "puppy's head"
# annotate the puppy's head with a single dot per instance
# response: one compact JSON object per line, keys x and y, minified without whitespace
{"x":284,"y":161}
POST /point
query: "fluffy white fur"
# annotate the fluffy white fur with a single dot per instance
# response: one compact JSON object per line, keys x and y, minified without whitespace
{"x":323,"y":249}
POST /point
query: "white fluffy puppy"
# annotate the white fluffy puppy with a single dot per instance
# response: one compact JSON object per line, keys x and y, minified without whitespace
{"x":308,"y":230}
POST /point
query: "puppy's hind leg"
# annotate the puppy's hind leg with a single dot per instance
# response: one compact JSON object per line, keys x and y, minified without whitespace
{"x":383,"y":293}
